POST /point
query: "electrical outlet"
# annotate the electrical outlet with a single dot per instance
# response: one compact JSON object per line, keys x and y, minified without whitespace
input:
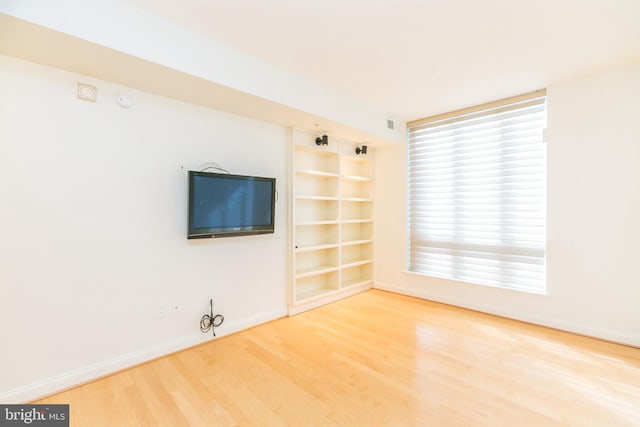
{"x":176,"y":308}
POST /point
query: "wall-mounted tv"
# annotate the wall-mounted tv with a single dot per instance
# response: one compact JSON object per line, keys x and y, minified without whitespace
{"x":225,"y":205}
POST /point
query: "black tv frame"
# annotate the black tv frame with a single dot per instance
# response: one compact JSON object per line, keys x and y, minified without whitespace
{"x":205,"y":233}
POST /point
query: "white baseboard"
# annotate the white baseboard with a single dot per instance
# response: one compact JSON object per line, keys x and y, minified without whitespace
{"x":591,"y":331}
{"x":331,"y":297}
{"x":82,"y":375}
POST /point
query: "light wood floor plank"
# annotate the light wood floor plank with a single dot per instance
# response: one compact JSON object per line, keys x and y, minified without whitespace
{"x":375,"y":359}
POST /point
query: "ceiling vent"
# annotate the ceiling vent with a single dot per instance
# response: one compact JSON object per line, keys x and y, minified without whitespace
{"x":389,"y":124}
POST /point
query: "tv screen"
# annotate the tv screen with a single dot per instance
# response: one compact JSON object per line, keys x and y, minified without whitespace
{"x":224,"y":205}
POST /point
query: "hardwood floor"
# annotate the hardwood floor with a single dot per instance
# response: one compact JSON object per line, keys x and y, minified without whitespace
{"x":375,"y":359}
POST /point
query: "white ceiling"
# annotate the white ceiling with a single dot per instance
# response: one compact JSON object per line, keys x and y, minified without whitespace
{"x":415,"y":58}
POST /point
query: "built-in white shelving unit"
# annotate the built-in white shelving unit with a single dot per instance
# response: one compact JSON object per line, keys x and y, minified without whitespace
{"x":332,"y":212}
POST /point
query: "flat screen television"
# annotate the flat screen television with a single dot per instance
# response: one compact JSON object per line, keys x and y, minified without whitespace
{"x":225,"y":205}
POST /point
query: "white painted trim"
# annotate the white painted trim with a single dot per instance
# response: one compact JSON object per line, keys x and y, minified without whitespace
{"x":326,"y":299}
{"x":600,"y":333}
{"x":85,"y":374}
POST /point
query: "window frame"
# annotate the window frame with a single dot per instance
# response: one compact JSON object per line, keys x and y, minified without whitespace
{"x":459,"y":116}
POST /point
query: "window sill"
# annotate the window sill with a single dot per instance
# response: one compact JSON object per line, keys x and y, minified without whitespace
{"x":487,"y":285}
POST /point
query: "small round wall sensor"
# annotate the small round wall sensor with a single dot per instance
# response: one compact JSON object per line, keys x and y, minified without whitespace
{"x":123,"y":100}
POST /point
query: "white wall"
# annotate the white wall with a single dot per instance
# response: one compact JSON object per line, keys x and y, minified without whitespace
{"x":140,"y":35}
{"x":593,"y":217}
{"x":93,"y":229}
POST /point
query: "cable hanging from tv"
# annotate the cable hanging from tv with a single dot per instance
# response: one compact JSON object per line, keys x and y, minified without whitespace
{"x":213,"y":166}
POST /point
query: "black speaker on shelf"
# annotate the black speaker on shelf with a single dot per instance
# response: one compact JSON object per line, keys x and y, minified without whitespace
{"x":324,"y":140}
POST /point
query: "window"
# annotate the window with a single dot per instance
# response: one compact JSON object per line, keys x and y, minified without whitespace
{"x":477,"y":194}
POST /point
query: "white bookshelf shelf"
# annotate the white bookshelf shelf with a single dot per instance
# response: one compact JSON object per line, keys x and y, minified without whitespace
{"x":356,"y":178}
{"x":332,"y":211}
{"x":303,"y":223}
{"x":316,"y":173}
{"x":357,"y":262}
{"x":316,"y":198}
{"x":306,"y":295}
{"x":356,"y":199}
{"x":316,"y":247}
{"x":313,"y":271}
{"x":356,"y":282}
{"x":356,"y":221}
{"x":356,"y":242}
{"x":315,"y":150}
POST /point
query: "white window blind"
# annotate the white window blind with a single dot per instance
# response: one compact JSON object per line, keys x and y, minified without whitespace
{"x":477,"y":195}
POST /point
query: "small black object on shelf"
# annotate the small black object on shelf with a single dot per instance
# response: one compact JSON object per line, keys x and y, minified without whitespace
{"x":361,"y":150}
{"x":324,"y":140}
